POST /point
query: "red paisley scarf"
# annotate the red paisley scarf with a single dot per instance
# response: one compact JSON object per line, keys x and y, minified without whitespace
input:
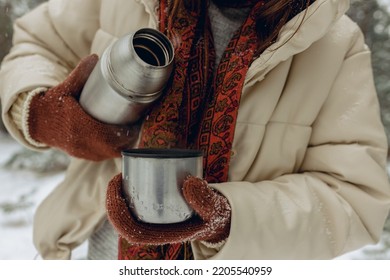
{"x":198,"y":110}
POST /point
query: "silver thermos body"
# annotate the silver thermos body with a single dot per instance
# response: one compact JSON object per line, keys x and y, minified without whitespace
{"x":129,"y":77}
{"x":152,"y":181}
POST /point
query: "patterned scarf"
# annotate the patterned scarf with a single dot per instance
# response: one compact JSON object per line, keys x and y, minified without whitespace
{"x":198,"y":110}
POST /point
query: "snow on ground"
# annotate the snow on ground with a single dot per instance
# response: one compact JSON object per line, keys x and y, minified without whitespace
{"x":21,"y":191}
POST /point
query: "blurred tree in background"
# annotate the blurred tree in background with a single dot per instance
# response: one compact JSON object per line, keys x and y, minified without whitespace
{"x":9,"y":11}
{"x":373,"y":18}
{"x":5,"y":29}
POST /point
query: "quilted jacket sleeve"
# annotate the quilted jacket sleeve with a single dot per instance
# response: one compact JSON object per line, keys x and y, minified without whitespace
{"x":48,"y":42}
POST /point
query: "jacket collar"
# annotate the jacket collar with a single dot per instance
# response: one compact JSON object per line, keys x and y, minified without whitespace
{"x":318,"y":19}
{"x":151,"y":8}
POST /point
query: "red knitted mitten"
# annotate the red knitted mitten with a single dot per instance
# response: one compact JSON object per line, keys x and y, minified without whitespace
{"x":212,"y":223}
{"x":55,"y":118}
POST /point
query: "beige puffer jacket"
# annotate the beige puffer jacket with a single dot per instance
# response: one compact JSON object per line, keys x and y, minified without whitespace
{"x":308,"y":176}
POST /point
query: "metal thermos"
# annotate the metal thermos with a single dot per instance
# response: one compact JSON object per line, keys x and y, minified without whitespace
{"x":153,"y":179}
{"x":129,"y":77}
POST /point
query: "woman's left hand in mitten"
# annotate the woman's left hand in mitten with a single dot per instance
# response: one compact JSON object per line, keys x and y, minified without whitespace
{"x":211,"y":224}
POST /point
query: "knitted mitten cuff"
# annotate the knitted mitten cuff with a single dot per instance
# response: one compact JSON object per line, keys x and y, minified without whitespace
{"x":19,"y":112}
{"x":26,"y":114}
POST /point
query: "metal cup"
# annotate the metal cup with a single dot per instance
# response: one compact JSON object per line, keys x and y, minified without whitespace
{"x":152,"y":181}
{"x":129,"y":77}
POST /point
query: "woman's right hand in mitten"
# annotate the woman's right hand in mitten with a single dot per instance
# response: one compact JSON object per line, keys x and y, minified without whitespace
{"x":55,"y":118}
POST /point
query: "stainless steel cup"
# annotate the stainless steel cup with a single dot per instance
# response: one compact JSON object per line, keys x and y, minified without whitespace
{"x":152,"y":181}
{"x":129,"y":77}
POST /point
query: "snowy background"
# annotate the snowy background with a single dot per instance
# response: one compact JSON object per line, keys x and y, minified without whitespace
{"x":25,"y":178}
